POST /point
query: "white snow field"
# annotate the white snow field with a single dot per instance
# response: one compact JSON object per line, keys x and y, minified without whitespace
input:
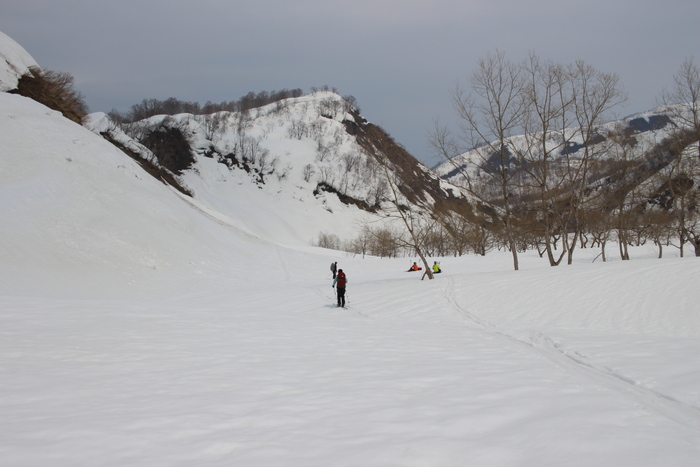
{"x":140,"y":329}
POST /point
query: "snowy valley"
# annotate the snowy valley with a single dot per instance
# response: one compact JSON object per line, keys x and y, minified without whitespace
{"x":140,"y":326}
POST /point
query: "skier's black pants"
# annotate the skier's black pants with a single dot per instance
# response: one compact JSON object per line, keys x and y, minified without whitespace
{"x":341,"y":296}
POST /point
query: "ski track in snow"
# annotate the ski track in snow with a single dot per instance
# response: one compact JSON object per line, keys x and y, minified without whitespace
{"x":331,"y":300}
{"x":546,"y":346}
{"x":283,"y":263}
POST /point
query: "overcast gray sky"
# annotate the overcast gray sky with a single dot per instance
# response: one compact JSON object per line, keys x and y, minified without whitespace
{"x":399,"y":58}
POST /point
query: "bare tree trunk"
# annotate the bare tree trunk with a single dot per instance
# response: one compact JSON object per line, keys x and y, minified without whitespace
{"x":624,"y":254}
{"x":571,"y":248}
{"x":602,"y":249}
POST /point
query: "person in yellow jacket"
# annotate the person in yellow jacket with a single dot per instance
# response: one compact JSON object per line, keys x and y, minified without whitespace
{"x":436,"y":268}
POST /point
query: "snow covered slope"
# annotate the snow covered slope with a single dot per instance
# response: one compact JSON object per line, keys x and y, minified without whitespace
{"x":14,"y":62}
{"x":82,"y":217}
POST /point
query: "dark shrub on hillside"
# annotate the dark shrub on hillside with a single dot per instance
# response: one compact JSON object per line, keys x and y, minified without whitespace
{"x":171,"y":148}
{"x":54,"y":90}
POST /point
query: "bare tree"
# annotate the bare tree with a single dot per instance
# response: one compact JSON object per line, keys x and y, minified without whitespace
{"x":379,"y":241}
{"x":684,"y":97}
{"x":361,"y":244}
{"x":251,"y":150}
{"x":625,"y":199}
{"x":594,"y":94}
{"x":684,"y":101}
{"x":323,"y":151}
{"x":328,"y":240}
{"x":385,"y":243}
{"x":489,"y":114}
{"x":679,"y":196}
{"x":416,"y":223}
{"x":327,"y":175}
{"x":297,"y":129}
{"x":656,"y":225}
{"x":308,"y":172}
{"x":214,"y":125}
{"x":548,"y":100}
{"x":243,"y":122}
{"x":329,"y":107}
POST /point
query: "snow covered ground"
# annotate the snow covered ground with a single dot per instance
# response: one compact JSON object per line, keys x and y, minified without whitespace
{"x":139,"y":329}
{"x":594,"y":364}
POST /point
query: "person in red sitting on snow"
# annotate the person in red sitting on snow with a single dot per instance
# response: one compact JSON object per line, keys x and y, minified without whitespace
{"x":415,"y":267}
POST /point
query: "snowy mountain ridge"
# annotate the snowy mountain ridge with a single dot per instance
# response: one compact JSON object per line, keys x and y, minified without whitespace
{"x":302,"y":152}
{"x":645,"y":130}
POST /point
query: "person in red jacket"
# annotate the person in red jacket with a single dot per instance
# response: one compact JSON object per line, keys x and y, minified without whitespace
{"x":341,"y":280}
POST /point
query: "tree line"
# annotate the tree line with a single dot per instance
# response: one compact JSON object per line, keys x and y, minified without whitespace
{"x":172,"y":106}
{"x":568,"y":177}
